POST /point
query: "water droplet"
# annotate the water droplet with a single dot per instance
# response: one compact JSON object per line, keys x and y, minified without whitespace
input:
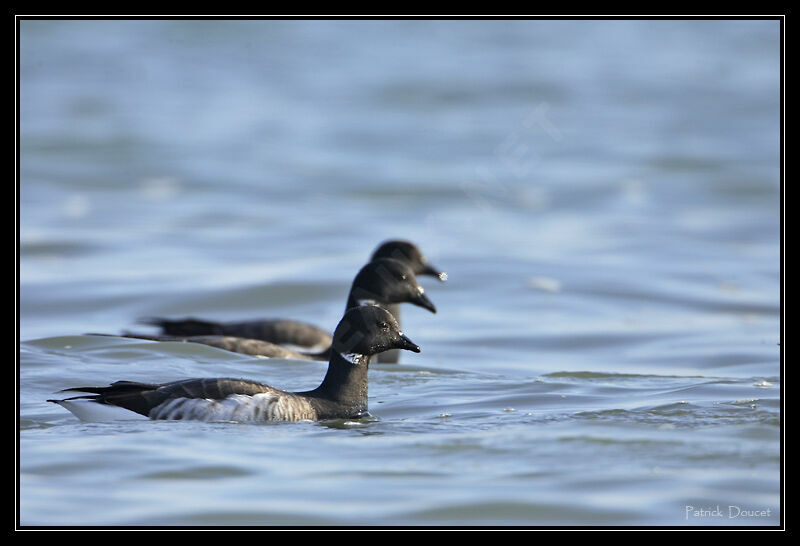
{"x":545,"y":284}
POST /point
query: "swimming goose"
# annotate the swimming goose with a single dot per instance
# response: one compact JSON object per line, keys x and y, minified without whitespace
{"x":242,"y":345}
{"x":295,"y":333}
{"x":383,"y":282}
{"x":363,"y":331}
{"x":409,"y":253}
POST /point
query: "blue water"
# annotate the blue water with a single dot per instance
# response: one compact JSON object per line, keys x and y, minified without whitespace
{"x":604,"y":196}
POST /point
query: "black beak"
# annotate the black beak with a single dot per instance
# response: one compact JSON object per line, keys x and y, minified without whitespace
{"x":422,"y":301}
{"x":431,"y":271}
{"x":404,"y":343}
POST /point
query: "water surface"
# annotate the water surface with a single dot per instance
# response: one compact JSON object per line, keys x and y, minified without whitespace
{"x":604,"y":195}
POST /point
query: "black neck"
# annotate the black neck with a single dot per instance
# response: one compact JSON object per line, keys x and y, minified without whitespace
{"x":345,"y":385}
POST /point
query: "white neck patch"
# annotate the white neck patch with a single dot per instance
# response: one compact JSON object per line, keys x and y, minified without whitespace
{"x":353,"y":358}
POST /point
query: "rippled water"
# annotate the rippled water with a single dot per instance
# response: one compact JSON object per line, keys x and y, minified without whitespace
{"x":604,"y":195}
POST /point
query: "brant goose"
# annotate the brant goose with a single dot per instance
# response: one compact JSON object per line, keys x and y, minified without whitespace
{"x":383,"y":282}
{"x":409,"y":253}
{"x":363,"y":331}
{"x":247,"y":346}
{"x":291,"y":332}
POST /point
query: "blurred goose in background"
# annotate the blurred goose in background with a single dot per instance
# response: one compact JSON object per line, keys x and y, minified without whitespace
{"x":382,"y":282}
{"x":290,"y":338}
{"x":409,"y":253}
